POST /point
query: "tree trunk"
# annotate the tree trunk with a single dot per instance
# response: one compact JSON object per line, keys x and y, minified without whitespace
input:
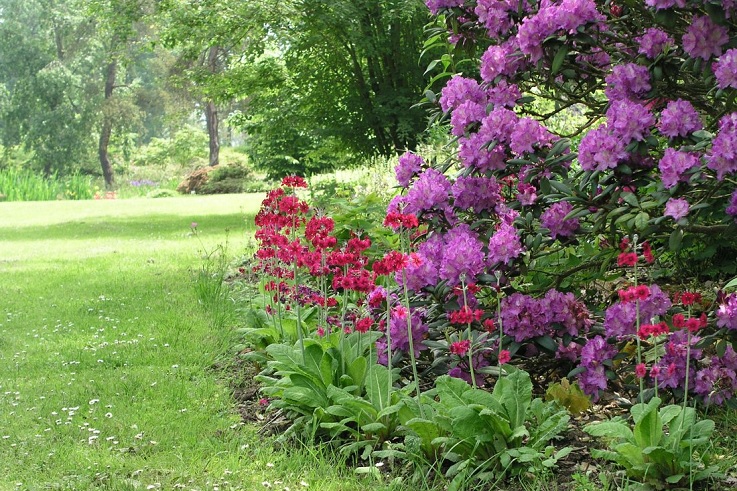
{"x":107,"y":127}
{"x":211,"y":116}
{"x":211,"y":113}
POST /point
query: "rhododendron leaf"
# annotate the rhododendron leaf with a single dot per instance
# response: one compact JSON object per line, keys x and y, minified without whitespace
{"x":559,"y":58}
{"x":674,"y":242}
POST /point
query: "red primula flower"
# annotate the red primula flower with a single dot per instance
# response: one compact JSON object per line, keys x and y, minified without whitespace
{"x":627,"y":259}
{"x":294,"y":182}
{"x":460,"y":348}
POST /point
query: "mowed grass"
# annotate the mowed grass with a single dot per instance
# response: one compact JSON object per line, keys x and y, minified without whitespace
{"x":107,"y":355}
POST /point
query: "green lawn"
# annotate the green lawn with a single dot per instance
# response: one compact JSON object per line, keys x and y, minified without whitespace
{"x":106,"y":354}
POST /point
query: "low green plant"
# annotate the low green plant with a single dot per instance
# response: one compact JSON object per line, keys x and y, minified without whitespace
{"x":486,"y":436}
{"x":18,"y":184}
{"x":331,"y":388}
{"x":667,"y":446}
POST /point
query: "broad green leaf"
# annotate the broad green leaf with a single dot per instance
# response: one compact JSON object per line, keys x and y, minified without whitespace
{"x":377,"y":386}
{"x":610,"y":430}
{"x":648,"y":426}
{"x":450,"y":391}
{"x":357,"y":370}
{"x":320,"y":392}
{"x":468,"y":425}
{"x":373,"y":427}
{"x":667,"y":413}
{"x":514,"y":392}
{"x":497,"y":422}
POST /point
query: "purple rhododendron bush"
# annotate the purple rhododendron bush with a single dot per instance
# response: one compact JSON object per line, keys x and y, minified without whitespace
{"x":529,"y":258}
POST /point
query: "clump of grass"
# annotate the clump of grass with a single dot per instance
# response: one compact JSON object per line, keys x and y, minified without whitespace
{"x":209,"y":283}
{"x":24,"y":185}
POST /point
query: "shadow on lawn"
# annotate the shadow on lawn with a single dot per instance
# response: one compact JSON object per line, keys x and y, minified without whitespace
{"x":150,"y":226}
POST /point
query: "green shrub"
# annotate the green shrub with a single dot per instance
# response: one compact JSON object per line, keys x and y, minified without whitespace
{"x":162,"y":193}
{"x":227,"y":179}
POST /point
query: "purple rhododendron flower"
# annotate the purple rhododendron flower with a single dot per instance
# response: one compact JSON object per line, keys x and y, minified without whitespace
{"x":528,"y":132}
{"x":629,"y":120}
{"x":420,"y":275}
{"x":600,"y":150}
{"x":436,"y":5}
{"x":567,"y":16}
{"x":653,"y":42}
{"x":676,"y":208}
{"x":679,"y":118}
{"x":497,"y":61}
{"x":477,"y":193}
{"x":505,"y":245}
{"x":620,"y":319}
{"x":504,"y":94}
{"x":474,"y":153}
{"x":725,"y":70}
{"x":727,"y":313}
{"x":674,"y":165}
{"x":499,"y":125}
{"x":479,"y":361}
{"x":526,"y":194}
{"x":627,"y":81}
{"x":429,"y":191}
{"x":494,"y":15}
{"x":673,"y":363}
{"x":723,"y":156}
{"x":554,"y":220}
{"x":408,"y":167}
{"x":718,"y":381}
{"x":665,"y":4}
{"x":593,"y":354}
{"x":732,"y":207}
{"x":458,"y":90}
{"x":463,"y":256}
{"x":400,"y":335}
{"x":466,"y":113}
{"x":525,"y":317}
{"x":703,"y":38}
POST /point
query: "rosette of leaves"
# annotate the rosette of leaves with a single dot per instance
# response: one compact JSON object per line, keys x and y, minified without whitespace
{"x":336,"y":392}
{"x":665,"y":447}
{"x":485,"y":436}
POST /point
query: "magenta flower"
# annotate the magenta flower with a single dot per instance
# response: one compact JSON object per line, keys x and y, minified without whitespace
{"x":408,"y":167}
{"x":458,"y":90}
{"x":629,"y":120}
{"x":468,"y":112}
{"x":627,"y":81}
{"x":554,"y":220}
{"x":723,"y":156}
{"x":463,"y":256}
{"x":600,"y":150}
{"x":504,"y":246}
{"x":679,"y":118}
{"x":674,"y":165}
{"x":725,"y":70}
{"x":703,"y":38}
{"x":676,"y":208}
{"x":654,"y":42}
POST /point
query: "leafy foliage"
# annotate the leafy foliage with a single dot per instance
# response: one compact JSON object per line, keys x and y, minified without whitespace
{"x":666,"y":444}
